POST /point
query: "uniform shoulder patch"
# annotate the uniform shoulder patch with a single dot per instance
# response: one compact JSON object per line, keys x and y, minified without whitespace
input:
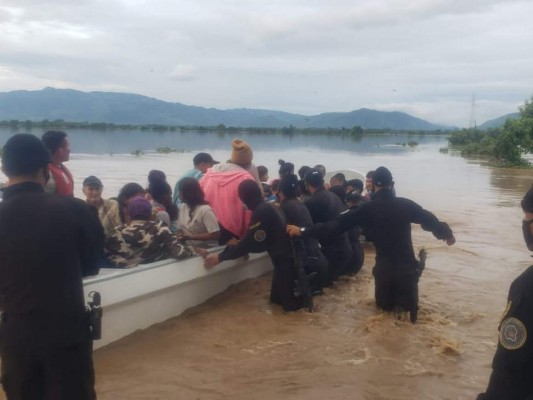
{"x":513,"y":334}
{"x":260,"y":235}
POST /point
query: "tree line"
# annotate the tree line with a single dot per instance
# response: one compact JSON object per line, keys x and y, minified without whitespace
{"x":505,"y":146}
{"x":59,"y":124}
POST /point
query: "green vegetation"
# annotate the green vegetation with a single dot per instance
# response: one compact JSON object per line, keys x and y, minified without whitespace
{"x":354,"y":132}
{"x":504,"y":147}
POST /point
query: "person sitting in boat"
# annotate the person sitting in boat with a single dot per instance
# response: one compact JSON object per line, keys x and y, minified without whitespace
{"x":265,"y":233}
{"x":142,"y":240}
{"x":220,"y":185}
{"x":263,"y":177}
{"x":201,"y":162}
{"x":159,"y":193}
{"x":274,"y":190}
{"x":128,"y":192}
{"x":197,"y":223}
{"x":285,"y":168}
{"x":308,"y":249}
{"x":369,"y":186}
{"x":107,"y":209}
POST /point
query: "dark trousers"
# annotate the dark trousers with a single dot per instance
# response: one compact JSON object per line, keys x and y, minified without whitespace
{"x":39,"y":372}
{"x":396,"y":286}
{"x":283,"y":284}
{"x":339,"y":255}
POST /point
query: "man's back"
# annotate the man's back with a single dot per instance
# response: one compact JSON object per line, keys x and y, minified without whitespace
{"x":47,"y":244}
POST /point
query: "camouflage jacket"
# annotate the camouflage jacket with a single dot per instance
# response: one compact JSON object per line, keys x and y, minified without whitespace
{"x":142,"y":242}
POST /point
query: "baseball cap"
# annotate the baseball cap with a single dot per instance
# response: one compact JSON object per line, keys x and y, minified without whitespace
{"x":92,"y":181}
{"x":204,"y":158}
{"x":382,"y":177}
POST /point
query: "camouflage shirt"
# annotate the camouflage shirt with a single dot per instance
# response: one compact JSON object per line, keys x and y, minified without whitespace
{"x":142,"y":242}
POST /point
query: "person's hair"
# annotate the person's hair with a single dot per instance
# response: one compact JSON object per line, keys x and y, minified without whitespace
{"x":53,"y":140}
{"x":24,"y":154}
{"x":249,"y":193}
{"x":303,"y":170}
{"x":286,"y":168}
{"x":321,"y":169}
{"x":289,"y":186}
{"x":340,"y":177}
{"x":262,"y":170}
{"x":369,"y":174}
{"x":314,"y":178}
{"x":191,"y":193}
{"x":527,"y":201}
{"x":128,"y":191}
{"x":356,"y":184}
{"x":161,"y":192}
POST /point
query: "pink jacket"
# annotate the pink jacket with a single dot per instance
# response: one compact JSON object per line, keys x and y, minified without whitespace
{"x":221,"y":191}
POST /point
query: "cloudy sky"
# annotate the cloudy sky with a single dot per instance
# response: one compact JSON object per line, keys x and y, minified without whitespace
{"x":424,"y":57}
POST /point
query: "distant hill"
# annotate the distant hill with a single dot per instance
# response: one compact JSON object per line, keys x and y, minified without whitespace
{"x":498,"y":122}
{"x":122,"y":108}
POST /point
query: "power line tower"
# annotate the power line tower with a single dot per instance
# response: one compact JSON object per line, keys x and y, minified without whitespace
{"x":473,"y":112}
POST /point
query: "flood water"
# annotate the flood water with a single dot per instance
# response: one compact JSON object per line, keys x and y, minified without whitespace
{"x":236,"y":346}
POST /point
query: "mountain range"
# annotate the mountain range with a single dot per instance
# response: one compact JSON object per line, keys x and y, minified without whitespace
{"x":123,"y":108}
{"x":498,"y":122}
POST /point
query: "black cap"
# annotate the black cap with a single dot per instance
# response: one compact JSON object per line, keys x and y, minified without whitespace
{"x":382,"y":177}
{"x":92,"y":181}
{"x":204,"y":158}
{"x":24,"y":154}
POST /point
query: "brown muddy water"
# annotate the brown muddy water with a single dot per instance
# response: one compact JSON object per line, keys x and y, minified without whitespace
{"x":237,"y":346}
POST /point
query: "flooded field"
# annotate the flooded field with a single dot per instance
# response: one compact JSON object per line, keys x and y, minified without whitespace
{"x":237,"y":346}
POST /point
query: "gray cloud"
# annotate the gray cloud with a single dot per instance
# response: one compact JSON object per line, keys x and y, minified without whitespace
{"x":424,"y":57}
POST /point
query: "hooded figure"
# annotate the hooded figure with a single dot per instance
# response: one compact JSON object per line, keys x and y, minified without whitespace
{"x":220,"y":185}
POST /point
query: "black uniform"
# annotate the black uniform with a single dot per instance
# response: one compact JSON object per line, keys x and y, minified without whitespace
{"x":267,"y":233}
{"x":512,"y":367}
{"x":311,"y":256}
{"x":326,"y":206}
{"x":47,"y":244}
{"x":396,"y":270}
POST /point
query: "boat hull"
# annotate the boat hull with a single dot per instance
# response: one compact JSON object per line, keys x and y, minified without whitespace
{"x":140,"y":297}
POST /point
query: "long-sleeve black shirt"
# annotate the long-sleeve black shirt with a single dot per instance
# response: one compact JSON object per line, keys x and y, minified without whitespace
{"x":47,"y":244}
{"x":326,"y":206}
{"x":266,"y":232}
{"x":512,"y":366}
{"x":389,"y":218}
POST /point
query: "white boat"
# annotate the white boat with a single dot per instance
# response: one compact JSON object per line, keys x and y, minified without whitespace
{"x":348,"y":173}
{"x":140,"y":297}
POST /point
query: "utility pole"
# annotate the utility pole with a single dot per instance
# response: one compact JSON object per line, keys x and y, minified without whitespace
{"x":473,"y":112}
